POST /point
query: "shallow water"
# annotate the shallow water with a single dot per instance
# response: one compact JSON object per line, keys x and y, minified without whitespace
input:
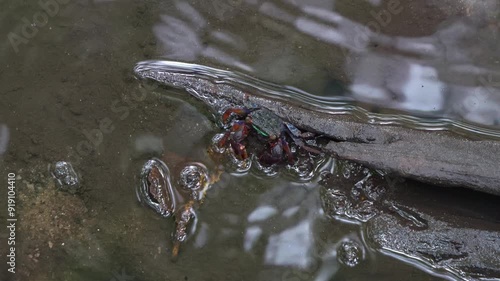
{"x":68,"y":93}
{"x":384,"y":56}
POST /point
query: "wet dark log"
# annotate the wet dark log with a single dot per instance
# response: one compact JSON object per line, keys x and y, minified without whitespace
{"x":440,"y":158}
{"x":461,"y":234}
{"x":452,"y":233}
{"x":430,"y":157}
{"x":467,"y":252}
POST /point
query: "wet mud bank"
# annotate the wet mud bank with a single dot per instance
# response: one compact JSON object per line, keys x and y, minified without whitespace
{"x":442,"y":158}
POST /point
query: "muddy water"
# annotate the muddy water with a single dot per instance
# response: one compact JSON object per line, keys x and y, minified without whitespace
{"x":68,"y":93}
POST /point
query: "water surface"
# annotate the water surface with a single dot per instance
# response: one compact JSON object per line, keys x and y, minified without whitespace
{"x":68,"y":93}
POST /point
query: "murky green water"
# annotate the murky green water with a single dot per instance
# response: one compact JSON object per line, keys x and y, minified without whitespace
{"x":68,"y":93}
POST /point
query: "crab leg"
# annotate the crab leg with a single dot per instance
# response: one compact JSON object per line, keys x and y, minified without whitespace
{"x":223,"y":140}
{"x":294,"y":133}
{"x":239,"y":131}
{"x":286,"y":148}
{"x":301,"y":143}
{"x":239,"y":149}
{"x":240,"y":112}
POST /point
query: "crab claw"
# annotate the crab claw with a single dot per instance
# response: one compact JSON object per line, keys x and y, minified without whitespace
{"x":240,"y":112}
{"x":240,"y":150}
{"x":223,"y":140}
{"x":238,"y":132}
{"x":274,"y":154}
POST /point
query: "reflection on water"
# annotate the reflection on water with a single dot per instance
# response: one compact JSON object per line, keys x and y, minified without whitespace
{"x":450,"y":72}
{"x":279,"y":252}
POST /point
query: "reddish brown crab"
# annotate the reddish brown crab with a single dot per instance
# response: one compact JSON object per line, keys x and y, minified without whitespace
{"x":266,"y":126}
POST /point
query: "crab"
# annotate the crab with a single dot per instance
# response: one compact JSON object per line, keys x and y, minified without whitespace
{"x":179,"y":199}
{"x":265,"y":125}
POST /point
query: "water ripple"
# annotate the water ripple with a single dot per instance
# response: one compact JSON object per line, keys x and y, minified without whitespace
{"x":332,"y":105}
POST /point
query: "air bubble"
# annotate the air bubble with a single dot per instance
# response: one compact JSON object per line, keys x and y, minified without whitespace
{"x":194,"y":177}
